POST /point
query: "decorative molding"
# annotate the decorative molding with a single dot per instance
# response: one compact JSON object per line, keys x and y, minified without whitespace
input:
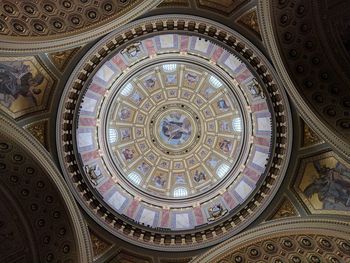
{"x":155,"y":238}
{"x":174,"y":3}
{"x":26,"y":28}
{"x":297,"y":240}
{"x":224,"y":7}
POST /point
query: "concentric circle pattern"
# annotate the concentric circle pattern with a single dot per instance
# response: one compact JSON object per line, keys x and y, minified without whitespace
{"x":174,"y":139}
{"x":174,"y":133}
{"x":173,"y":130}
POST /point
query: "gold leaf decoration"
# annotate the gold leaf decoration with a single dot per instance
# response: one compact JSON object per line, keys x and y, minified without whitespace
{"x":39,"y":131}
{"x":99,"y":246}
{"x":60,"y":59}
{"x":250,"y":20}
{"x":310,"y":137}
{"x":286,"y":209}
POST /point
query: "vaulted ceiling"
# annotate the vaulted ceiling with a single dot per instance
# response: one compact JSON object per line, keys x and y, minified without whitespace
{"x":174,"y":131}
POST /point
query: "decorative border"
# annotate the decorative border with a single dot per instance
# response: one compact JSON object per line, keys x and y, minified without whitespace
{"x":158,"y":238}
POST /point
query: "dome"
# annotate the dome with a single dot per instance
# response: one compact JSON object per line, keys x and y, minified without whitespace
{"x":174,"y":133}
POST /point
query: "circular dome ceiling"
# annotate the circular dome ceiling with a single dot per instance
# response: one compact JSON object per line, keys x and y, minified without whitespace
{"x":174,"y":129}
{"x":173,"y":139}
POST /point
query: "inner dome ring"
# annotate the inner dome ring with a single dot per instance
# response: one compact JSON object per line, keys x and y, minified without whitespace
{"x":222,"y":106}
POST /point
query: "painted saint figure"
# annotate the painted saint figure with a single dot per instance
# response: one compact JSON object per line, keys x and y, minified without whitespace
{"x":18,"y":81}
{"x":332,"y":187}
{"x":222,"y":105}
{"x":199,"y":176}
{"x":128,"y":154}
{"x":175,"y":128}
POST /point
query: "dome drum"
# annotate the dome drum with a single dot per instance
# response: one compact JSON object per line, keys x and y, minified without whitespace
{"x":175,"y":134}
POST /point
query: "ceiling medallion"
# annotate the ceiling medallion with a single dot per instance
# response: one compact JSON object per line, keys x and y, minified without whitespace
{"x":175,"y":129}
{"x":170,"y":140}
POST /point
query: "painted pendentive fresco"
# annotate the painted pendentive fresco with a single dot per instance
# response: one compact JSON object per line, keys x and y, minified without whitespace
{"x":325,"y":183}
{"x":24,"y":86}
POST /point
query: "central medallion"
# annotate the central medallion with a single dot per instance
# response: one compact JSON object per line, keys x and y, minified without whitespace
{"x":175,"y":129}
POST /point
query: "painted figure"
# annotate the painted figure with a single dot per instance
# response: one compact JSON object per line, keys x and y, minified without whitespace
{"x":255,"y":89}
{"x":159,"y":181}
{"x":144,"y":168}
{"x":222,"y":105}
{"x":199,"y":176}
{"x":94,"y":173}
{"x":126,"y":134}
{"x":332,"y":187}
{"x":216,"y":212}
{"x":18,"y":81}
{"x":150,"y":82}
{"x":175,"y":128}
{"x":124,"y":114}
{"x":191,"y":78}
{"x":128,"y":154}
{"x":225,"y":146}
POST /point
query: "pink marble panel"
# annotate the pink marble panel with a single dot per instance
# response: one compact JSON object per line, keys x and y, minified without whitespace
{"x":106,"y":186}
{"x":242,"y":76}
{"x":87,"y":121}
{"x":117,"y":60}
{"x":217,"y":54}
{"x":262,"y":141}
{"x":165,"y":218}
{"x":198,"y":215}
{"x":150,"y":46}
{"x":97,"y":89}
{"x":89,"y":156}
{"x":259,"y":107}
{"x":231,"y":203}
{"x":253,"y":175}
{"x":184,"y":43}
{"x":132,"y":208}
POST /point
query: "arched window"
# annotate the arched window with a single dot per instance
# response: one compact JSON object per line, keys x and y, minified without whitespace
{"x":135,"y":178}
{"x":222,"y":170}
{"x":180,"y":192}
{"x":169,"y":67}
{"x":237,"y":124}
{"x":215,"y":82}
{"x":112,"y":135}
{"x":126,"y":91}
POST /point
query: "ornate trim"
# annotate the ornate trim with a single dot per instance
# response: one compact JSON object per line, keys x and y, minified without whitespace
{"x":280,"y":228}
{"x":156,"y":238}
{"x":52,"y":43}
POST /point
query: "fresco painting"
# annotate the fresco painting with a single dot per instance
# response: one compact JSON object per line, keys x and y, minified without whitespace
{"x":325,"y":184}
{"x":24,"y":86}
